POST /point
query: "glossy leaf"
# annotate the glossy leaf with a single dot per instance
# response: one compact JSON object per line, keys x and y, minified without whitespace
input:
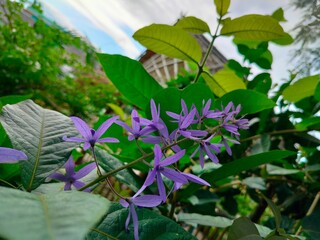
{"x":261,"y":83}
{"x":255,"y":183}
{"x":284,"y":41}
{"x":275,"y":170}
{"x":205,"y":220}
{"x":275,"y":210}
{"x":169,"y":40}
{"x":308,"y":122}
{"x":38,"y":133}
{"x":222,"y":6}
{"x":130,"y":78}
{"x":223,"y":81}
{"x":109,"y":163}
{"x":251,"y":101}
{"x":279,"y":15}
{"x":304,"y":87}
{"x":317,"y":92}
{"x":253,"y":27}
{"x":193,"y":25}
{"x":151,"y":226}
{"x":64,"y":215}
{"x":242,"y":228}
{"x":237,"y":166}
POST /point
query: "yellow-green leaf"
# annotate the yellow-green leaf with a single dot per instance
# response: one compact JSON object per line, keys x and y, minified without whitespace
{"x":193,"y":25}
{"x":304,"y":87}
{"x":222,"y":6}
{"x":223,"y":81}
{"x":254,"y":27}
{"x":169,"y":40}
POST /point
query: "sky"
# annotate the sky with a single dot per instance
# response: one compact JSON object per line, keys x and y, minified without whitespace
{"x":110,"y":24}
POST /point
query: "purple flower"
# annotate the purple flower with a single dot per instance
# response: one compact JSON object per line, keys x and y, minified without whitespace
{"x":192,"y":178}
{"x":207,"y":113}
{"x":136,"y":130}
{"x":156,"y":123}
{"x":206,"y":147}
{"x":226,"y":145}
{"x":160,"y":168}
{"x":8,"y":155}
{"x":71,"y":177}
{"x":90,"y":136}
{"x":142,"y":201}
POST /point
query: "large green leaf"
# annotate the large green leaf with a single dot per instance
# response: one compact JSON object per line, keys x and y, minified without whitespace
{"x":64,"y":216}
{"x":205,"y":220}
{"x":275,"y":211}
{"x":310,"y":225}
{"x":193,"y":25}
{"x":242,"y":228}
{"x":38,"y":132}
{"x":131,"y":79}
{"x":151,"y":226}
{"x":222,"y":6}
{"x":109,"y":163}
{"x":250,"y":101}
{"x":304,"y":87}
{"x":169,"y":40}
{"x":223,"y":81}
{"x":237,"y":166}
{"x":253,"y":27}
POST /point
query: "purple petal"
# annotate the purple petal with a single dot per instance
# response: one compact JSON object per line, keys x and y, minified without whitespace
{"x":206,"y":107}
{"x":198,"y":133}
{"x":195,"y":151}
{"x":104,"y":126}
{"x":172,"y":159}
{"x":78,"y":184}
{"x":73,"y":139}
{"x":226,"y":145}
{"x":157,"y":155}
{"x":145,"y":122}
{"x":8,"y":155}
{"x":86,"y":146}
{"x":188,"y":119}
{"x":135,"y":222}
{"x":152,"y":139}
{"x":150,"y":178}
{"x":147,"y":201}
{"x":173,"y":115}
{"x":69,"y":166}
{"x":194,"y":178}
{"x":124,"y":125}
{"x":154,"y":112}
{"x":67,"y":186}
{"x":59,"y":176}
{"x":201,"y":157}
{"x":108,"y":139}
{"x":135,"y":124}
{"x":161,"y":187}
{"x":85,"y":170}
{"x":212,"y":156}
{"x":82,"y":127}
{"x":174,"y":175}
{"x":184,"y":107}
{"x":124,"y":203}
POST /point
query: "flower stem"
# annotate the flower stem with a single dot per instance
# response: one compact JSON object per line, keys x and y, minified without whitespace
{"x":95,"y":160}
{"x":204,"y":60}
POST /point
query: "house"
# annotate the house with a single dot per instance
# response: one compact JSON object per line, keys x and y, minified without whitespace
{"x":164,"y":68}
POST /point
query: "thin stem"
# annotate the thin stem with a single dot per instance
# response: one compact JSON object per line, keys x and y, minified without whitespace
{"x":112,"y":189}
{"x":203,"y":62}
{"x":104,"y":234}
{"x":7,"y":183}
{"x":173,"y":205}
{"x":95,"y":160}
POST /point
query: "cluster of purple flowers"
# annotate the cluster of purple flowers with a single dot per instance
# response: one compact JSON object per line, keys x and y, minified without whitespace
{"x":190,"y":125}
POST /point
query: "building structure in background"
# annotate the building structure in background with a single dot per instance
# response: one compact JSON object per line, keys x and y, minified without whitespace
{"x":164,"y":68}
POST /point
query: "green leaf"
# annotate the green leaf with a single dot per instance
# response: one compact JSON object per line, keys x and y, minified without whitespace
{"x":255,"y":183}
{"x":261,"y":83}
{"x":223,"y":81}
{"x":193,"y":25}
{"x":275,"y":170}
{"x":308,"y":122}
{"x":222,"y":6}
{"x":310,"y":225}
{"x":38,"y":132}
{"x":275,"y":210}
{"x":242,"y":228}
{"x":13,"y":99}
{"x":64,"y":216}
{"x":317,"y":92}
{"x":151,"y":226}
{"x":253,"y":27}
{"x":250,"y":101}
{"x":131,"y":79}
{"x":279,"y":15}
{"x":304,"y":87}
{"x":285,"y":40}
{"x":205,"y":220}
{"x":169,"y":40}
{"x":237,"y":166}
{"x":109,"y":163}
